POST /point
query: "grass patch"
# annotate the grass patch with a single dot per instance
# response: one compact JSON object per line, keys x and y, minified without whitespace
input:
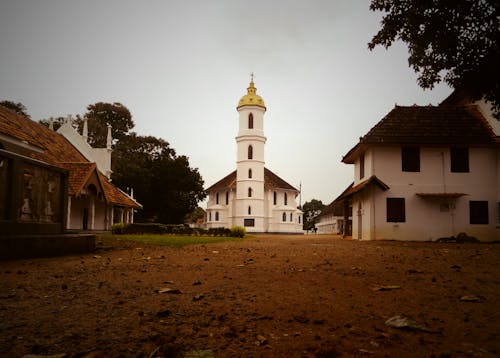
{"x":172,"y":240}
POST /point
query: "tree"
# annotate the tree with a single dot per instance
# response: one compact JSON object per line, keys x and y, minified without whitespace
{"x":452,"y":40}
{"x":311,"y":210}
{"x":99,"y":115}
{"x":197,"y":214}
{"x":163,"y":182}
{"x":16,"y":107}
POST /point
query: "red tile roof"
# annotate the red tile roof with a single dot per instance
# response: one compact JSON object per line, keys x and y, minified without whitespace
{"x":79,"y":173}
{"x":336,"y":207}
{"x":373,"y":180}
{"x":53,"y":148}
{"x":271,"y":181}
{"x":427,"y":125}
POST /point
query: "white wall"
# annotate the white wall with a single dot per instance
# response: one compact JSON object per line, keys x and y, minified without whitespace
{"x":427,"y":219}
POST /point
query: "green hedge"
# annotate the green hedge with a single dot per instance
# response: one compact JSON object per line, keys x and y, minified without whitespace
{"x":160,"y":229}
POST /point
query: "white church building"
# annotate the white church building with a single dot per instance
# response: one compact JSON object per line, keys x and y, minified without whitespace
{"x":252,"y":196}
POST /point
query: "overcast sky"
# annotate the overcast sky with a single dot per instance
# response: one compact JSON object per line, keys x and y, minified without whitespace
{"x":181,"y":66}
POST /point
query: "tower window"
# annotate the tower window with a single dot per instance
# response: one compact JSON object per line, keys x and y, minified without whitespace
{"x":249,"y":210}
{"x":250,"y":152}
{"x":249,"y":192}
{"x":250,"y":173}
{"x":284,"y":217}
{"x":250,"y":121}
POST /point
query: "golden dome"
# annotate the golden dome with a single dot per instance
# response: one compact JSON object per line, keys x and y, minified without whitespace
{"x":251,"y":98}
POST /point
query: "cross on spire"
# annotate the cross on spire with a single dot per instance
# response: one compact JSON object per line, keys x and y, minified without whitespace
{"x":251,"y":76}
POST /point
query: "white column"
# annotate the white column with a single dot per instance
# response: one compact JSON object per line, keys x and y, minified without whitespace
{"x":92,"y":212}
{"x":68,"y":214}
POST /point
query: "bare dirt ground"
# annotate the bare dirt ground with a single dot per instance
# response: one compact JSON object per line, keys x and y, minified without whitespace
{"x":267,"y":296}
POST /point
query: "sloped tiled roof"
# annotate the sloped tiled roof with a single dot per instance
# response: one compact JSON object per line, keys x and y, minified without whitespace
{"x":271,"y":181}
{"x":229,"y":182}
{"x":373,"y":180}
{"x":53,"y":148}
{"x":115,"y":196}
{"x":427,"y":125}
{"x":79,"y":173}
{"x":336,"y":207}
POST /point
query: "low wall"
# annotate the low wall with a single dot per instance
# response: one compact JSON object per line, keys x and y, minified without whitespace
{"x":29,"y":246}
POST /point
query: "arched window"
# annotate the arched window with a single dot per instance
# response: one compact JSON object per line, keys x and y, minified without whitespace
{"x":249,"y":210}
{"x":210,"y":216}
{"x":291,"y":216}
{"x":250,"y":173}
{"x":250,"y":152}
{"x":217,"y":198}
{"x":286,"y":199}
{"x":299,"y":219}
{"x":227,"y":198}
{"x":275,"y":198}
{"x":249,"y":192}
{"x":250,"y":121}
{"x":284,"y":217}
{"x":216,"y":216}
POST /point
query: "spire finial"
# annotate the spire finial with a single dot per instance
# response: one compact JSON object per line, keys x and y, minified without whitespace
{"x":251,"y":77}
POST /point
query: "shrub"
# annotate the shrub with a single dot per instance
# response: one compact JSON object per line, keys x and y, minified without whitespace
{"x":238,"y":231}
{"x":145,"y":228}
{"x":117,"y":229}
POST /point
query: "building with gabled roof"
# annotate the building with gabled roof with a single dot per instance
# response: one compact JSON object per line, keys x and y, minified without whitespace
{"x":93,"y":202}
{"x":336,"y":217}
{"x":427,"y":172}
{"x":253,"y":196}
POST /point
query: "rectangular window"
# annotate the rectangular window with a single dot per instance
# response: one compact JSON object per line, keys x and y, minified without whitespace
{"x":249,"y":222}
{"x":396,"y":210}
{"x":227,"y":198}
{"x":478,"y":212}
{"x":459,"y":160}
{"x":362,"y":166}
{"x":410,"y":159}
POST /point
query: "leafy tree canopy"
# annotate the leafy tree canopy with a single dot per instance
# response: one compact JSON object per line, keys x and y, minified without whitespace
{"x":163,"y":182}
{"x":99,"y":115}
{"x":452,"y":40}
{"x":311,"y":209}
{"x":197,"y":214}
{"x":16,"y":107}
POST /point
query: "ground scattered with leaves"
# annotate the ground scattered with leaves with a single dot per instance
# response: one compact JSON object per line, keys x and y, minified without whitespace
{"x":271,"y":296}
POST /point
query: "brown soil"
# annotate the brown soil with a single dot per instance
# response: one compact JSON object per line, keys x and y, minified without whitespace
{"x":270,"y":296}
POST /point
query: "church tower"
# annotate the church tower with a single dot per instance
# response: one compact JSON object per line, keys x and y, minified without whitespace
{"x":249,"y":205}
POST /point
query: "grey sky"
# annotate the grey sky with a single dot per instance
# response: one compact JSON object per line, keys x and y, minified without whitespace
{"x":181,"y":67}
